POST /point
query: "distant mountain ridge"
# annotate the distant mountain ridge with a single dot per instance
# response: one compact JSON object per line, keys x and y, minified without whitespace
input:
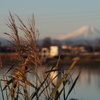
{"x":84,"y":33}
{"x":4,"y":42}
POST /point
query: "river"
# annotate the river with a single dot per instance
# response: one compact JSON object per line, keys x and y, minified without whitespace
{"x":88,"y":84}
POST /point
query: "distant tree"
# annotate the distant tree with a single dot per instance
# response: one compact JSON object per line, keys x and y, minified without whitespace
{"x":56,"y":43}
{"x":89,"y":48}
{"x":98,"y":41}
{"x":97,"y":48}
{"x":68,"y":42}
{"x":0,"y":46}
{"x":47,"y":42}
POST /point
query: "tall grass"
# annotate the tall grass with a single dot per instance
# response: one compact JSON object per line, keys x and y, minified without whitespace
{"x":18,"y":86}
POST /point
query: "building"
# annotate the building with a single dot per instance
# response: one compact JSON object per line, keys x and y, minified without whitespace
{"x":54,"y":51}
{"x":50,"y":52}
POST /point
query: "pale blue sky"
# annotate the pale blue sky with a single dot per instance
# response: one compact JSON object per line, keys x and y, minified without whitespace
{"x":53,"y":17}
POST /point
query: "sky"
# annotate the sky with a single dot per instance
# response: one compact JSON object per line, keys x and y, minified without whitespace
{"x":52,"y":17}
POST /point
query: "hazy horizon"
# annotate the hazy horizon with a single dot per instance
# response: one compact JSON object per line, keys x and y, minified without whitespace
{"x":54,"y":17}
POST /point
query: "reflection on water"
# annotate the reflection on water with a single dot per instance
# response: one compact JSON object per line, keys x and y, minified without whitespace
{"x":88,"y":76}
{"x":88,"y":84}
{"x":53,"y":75}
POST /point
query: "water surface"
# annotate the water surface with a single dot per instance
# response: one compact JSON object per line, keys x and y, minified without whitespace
{"x":88,"y":84}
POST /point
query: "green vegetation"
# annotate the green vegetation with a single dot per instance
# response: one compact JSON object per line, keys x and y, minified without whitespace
{"x":18,"y":86}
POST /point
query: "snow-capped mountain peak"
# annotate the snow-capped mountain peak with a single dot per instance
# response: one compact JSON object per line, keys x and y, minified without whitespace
{"x":85,"y":32}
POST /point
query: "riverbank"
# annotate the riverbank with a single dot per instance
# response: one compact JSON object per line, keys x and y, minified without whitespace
{"x":85,"y":60}
{"x":92,"y":59}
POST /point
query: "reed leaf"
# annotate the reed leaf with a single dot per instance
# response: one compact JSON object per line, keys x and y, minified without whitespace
{"x":17,"y":94}
{"x":13,"y":90}
{"x":30,"y":84}
{"x":9,"y":70}
{"x":38,"y":89}
{"x":73,"y":85}
{"x":64,"y":83}
{"x":8,"y":83}
{"x":2,"y":91}
{"x":62,"y":79}
{"x":26,"y":97}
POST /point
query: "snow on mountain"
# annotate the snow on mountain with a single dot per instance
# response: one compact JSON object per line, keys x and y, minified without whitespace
{"x":85,"y":32}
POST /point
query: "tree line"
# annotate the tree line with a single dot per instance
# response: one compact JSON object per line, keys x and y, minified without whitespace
{"x":47,"y":42}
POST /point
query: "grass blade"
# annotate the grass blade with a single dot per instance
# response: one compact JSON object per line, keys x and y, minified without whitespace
{"x":73,"y":85}
{"x":9,"y":69}
{"x":13,"y":90}
{"x":1,"y":91}
{"x":17,"y":94}
{"x":30,"y":84}
{"x":62,"y":79}
{"x":8,"y":83}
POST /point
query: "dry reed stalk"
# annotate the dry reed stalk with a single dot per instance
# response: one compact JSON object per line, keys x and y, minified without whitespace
{"x":24,"y":46}
{"x":28,"y":56}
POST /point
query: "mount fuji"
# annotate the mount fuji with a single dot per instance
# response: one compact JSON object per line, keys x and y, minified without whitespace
{"x":85,"y":32}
